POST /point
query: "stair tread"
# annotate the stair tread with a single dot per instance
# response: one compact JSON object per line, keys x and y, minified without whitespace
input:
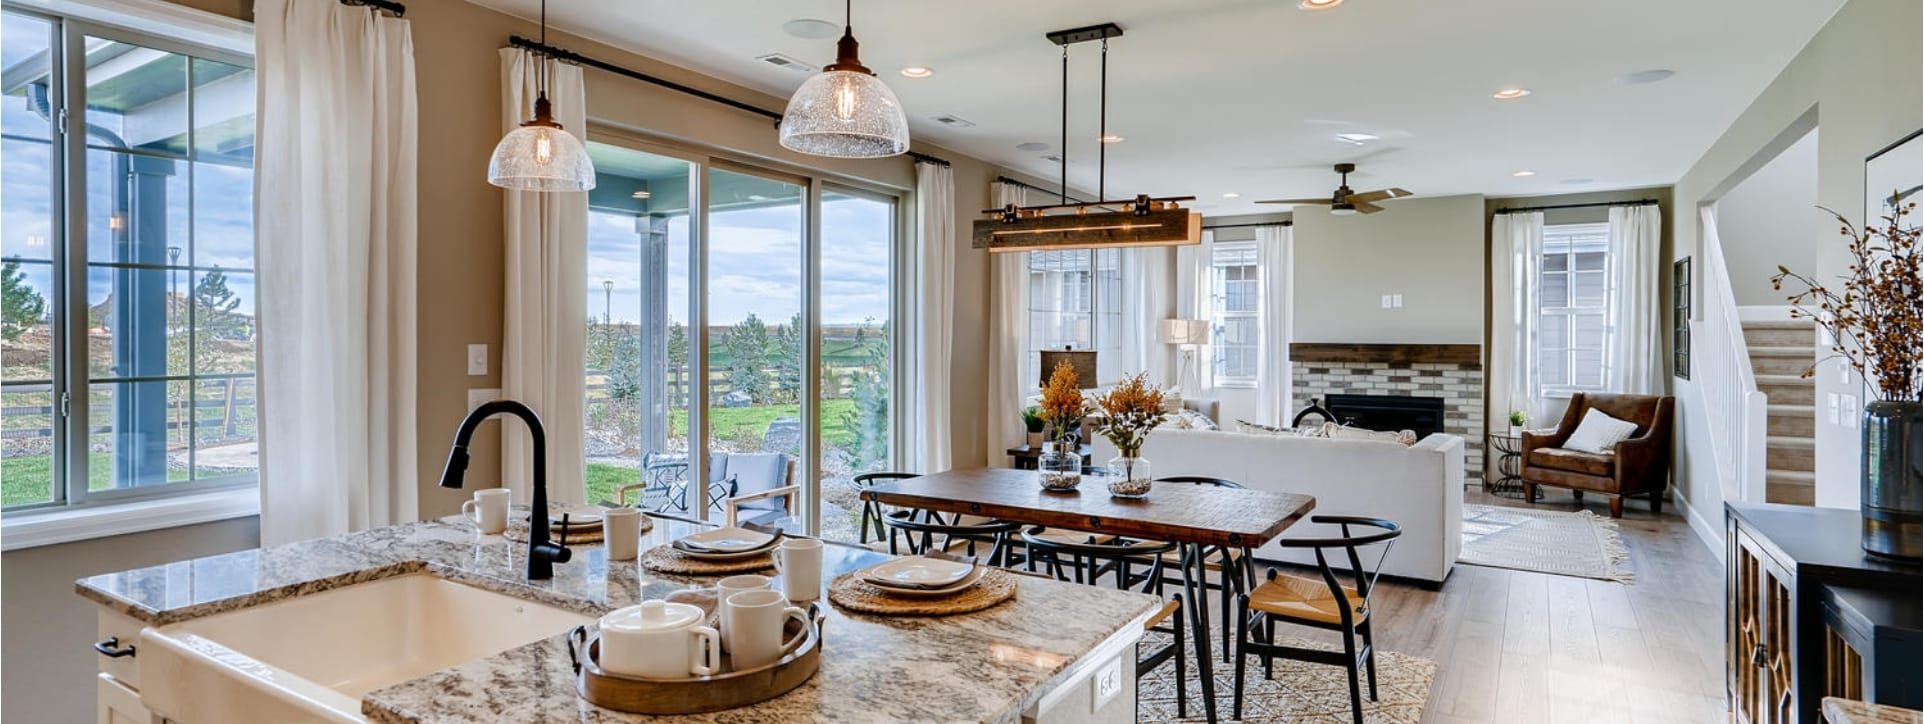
{"x":1791,"y":477}
{"x":1778,"y":324}
{"x":1789,"y":409}
{"x":1782,"y":351}
{"x":1785,"y":380}
{"x":1778,"y":441}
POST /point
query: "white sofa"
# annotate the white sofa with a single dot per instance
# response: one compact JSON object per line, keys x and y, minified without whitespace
{"x":1419,"y":487}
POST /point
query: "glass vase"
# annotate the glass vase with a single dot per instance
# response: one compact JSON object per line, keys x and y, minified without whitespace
{"x":1892,"y":497}
{"x":1058,"y":468}
{"x":1129,"y":477}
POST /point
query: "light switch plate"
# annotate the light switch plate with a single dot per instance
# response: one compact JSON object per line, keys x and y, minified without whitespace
{"x":1397,"y":299}
{"x":477,"y":359}
{"x":1832,"y":397}
{"x":1107,"y":684}
{"x":476,"y":397}
{"x":1389,"y":301}
{"x":1849,"y":413}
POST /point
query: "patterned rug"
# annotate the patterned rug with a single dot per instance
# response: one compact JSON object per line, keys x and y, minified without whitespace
{"x":1301,"y":693}
{"x":1580,"y":544}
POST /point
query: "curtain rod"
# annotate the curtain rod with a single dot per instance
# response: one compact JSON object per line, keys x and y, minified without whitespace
{"x":1522,"y":209}
{"x":569,"y":56}
{"x":1285,"y":222}
{"x":1033,"y":187}
{"x":387,"y":5}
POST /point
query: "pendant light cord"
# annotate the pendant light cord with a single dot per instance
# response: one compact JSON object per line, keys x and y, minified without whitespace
{"x":1062,"y":152}
{"x":1102,"y":141}
{"x":541,"y":79}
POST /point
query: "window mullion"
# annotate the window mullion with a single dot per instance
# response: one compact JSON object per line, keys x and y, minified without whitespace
{"x":73,"y":440}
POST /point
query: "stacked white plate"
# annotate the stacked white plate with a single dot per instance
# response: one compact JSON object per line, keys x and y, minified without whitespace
{"x":726,"y":544}
{"x":923,"y":576}
{"x":580,"y":518}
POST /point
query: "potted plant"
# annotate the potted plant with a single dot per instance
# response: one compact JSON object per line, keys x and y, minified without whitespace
{"x":1032,"y":422}
{"x":1129,"y":411}
{"x":1059,"y":467}
{"x":1518,"y":419}
{"x":1876,"y":323}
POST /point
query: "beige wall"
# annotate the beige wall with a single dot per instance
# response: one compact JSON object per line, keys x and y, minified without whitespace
{"x":1430,"y":250}
{"x":1861,"y":75}
{"x":46,"y":663}
{"x":1770,"y":219}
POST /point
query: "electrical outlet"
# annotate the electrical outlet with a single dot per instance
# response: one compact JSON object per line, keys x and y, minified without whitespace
{"x":477,"y":360}
{"x":1107,"y":684}
{"x":476,"y":397}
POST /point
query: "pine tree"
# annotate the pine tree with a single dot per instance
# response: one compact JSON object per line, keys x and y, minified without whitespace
{"x":214,"y":307}
{"x":787,"y":350}
{"x":22,"y":305}
{"x":747,"y":346}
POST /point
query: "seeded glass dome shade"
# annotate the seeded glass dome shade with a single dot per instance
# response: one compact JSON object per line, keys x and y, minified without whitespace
{"x":845,"y":114}
{"x":539,"y":157}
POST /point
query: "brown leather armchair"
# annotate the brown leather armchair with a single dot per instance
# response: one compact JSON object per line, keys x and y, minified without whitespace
{"x":1638,"y":466}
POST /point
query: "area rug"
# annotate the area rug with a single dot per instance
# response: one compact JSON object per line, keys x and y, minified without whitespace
{"x":1301,"y":693}
{"x":1581,"y":544}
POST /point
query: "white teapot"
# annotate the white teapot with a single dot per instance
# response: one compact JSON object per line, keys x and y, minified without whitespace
{"x":659,"y":640}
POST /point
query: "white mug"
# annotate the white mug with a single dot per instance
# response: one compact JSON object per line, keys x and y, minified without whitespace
{"x":659,"y":640}
{"x":621,"y":531}
{"x":737,"y":584}
{"x":799,"y":560}
{"x":754,"y":621}
{"x":488,"y":510}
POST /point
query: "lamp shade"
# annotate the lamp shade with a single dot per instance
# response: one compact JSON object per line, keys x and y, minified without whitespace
{"x":540,"y":157}
{"x":845,"y":114}
{"x":1184,"y":331}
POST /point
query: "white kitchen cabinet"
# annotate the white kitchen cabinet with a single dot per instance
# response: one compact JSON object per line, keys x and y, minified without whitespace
{"x":114,"y":703}
{"x":117,"y":690}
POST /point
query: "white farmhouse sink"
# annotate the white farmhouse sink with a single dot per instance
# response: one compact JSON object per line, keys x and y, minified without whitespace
{"x":312,"y":658}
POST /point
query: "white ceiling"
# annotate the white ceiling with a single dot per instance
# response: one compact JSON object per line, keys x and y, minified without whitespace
{"x":1245,"y":96}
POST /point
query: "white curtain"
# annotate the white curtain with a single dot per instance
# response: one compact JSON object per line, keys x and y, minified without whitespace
{"x":1010,"y":380}
{"x":335,"y":211}
{"x":1195,"y":279}
{"x":1633,"y":348}
{"x":1275,"y":252}
{"x":934,"y":321}
{"x":1148,"y":297}
{"x":547,"y":317}
{"x":1515,"y":262}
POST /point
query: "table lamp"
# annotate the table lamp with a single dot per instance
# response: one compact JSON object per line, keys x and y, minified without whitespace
{"x":1187,"y":335}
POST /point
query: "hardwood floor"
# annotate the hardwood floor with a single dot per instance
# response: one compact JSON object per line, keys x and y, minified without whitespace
{"x":1517,"y":646}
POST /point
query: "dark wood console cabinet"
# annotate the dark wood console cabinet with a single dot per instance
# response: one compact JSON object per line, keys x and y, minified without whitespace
{"x":1778,"y":561}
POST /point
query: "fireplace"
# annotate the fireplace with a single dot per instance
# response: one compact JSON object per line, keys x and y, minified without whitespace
{"x":1422,"y":415}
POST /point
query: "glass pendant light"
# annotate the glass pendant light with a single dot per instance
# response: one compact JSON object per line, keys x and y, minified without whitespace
{"x":539,"y":155}
{"x":846,"y":112}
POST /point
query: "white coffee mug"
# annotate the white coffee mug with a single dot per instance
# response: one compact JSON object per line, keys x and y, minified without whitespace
{"x":737,"y":584}
{"x":799,"y":560}
{"x":488,"y":510}
{"x":621,"y":531}
{"x":659,"y":640}
{"x":754,"y":621}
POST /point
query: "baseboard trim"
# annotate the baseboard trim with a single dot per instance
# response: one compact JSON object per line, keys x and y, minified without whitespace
{"x":1712,"y":536}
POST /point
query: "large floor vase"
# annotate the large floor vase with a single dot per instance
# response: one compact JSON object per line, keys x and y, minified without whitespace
{"x":1893,"y":479}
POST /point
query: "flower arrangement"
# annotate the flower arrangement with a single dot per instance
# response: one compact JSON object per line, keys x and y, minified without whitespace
{"x":1062,"y":404}
{"x":1130,"y":410}
{"x":1876,"y":318}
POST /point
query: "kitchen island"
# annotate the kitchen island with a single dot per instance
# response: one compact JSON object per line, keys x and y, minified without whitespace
{"x":1028,"y":658}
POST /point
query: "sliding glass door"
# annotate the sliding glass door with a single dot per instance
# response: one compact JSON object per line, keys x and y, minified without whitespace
{"x":857,"y":399}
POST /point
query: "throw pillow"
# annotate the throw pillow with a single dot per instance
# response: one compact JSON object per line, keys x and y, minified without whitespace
{"x":1189,"y":420}
{"x":1344,"y":432}
{"x":1256,"y":428}
{"x":1599,"y":433}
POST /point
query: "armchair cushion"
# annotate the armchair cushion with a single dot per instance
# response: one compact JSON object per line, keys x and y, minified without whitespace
{"x":1576,"y":461}
{"x":758,"y":473}
{"x":1599,"y":433}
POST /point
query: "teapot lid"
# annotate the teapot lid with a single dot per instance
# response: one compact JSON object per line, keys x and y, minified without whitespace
{"x":653,"y":616}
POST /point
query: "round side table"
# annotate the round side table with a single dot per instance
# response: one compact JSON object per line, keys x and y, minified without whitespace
{"x":1509,"y":464}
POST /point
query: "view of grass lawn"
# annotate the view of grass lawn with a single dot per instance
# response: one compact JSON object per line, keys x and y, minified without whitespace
{"x":29,"y":479}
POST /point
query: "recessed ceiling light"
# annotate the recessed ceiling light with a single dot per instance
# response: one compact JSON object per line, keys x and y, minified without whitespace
{"x":1642,"y":77}
{"x":641,"y":194}
{"x":1111,"y":138}
{"x":917,"y":71}
{"x":1232,"y":195}
{"x":1318,"y":4}
{"x":1032,"y":146}
{"x":812,"y":29}
{"x":1521,"y":174}
{"x":1510,"y":93}
{"x":1356,"y":139}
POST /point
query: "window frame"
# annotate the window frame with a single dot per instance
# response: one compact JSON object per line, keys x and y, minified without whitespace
{"x":72,"y":383}
{"x":1101,"y":304}
{"x":1574,"y":239}
{"x":1219,"y":313}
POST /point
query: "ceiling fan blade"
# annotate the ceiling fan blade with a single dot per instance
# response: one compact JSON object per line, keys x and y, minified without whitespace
{"x":1379,"y":195}
{"x":1364,"y":207}
{"x":1324,"y":201}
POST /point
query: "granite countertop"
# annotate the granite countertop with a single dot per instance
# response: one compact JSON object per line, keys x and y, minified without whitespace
{"x":1848,"y":711}
{"x":986,"y":666}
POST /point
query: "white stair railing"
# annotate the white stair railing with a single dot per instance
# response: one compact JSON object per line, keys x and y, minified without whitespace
{"x":1720,"y":365}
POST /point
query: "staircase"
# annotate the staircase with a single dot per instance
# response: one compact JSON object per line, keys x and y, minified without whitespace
{"x":1780,"y":350}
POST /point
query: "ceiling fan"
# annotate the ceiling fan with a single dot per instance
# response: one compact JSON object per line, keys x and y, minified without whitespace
{"x":1345,"y":202}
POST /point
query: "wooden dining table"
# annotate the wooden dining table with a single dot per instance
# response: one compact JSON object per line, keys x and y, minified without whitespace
{"x":1194,"y":517}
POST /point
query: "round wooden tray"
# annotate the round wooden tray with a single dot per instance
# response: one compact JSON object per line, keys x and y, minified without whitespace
{"x":696,"y":695}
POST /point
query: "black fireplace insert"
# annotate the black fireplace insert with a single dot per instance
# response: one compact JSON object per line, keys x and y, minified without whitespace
{"x":1422,"y":415}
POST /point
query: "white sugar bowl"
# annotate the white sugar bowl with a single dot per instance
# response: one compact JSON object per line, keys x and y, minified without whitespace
{"x":659,"y":640}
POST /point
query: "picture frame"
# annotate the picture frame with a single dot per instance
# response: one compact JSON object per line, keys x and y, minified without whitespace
{"x":1680,"y":290}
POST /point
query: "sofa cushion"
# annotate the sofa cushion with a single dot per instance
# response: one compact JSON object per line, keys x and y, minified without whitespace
{"x":1334,"y":431}
{"x":1576,"y":461}
{"x":759,"y":472}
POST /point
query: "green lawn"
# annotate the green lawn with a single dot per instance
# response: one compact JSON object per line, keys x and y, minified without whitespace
{"x":29,"y":479}
{"x":741,"y":422}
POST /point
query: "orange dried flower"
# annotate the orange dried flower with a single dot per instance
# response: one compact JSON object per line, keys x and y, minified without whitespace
{"x":1877,"y":320}
{"x":1130,"y":411}
{"x":1062,"y":403}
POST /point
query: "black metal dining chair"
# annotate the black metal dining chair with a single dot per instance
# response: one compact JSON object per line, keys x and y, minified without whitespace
{"x":1089,"y":559}
{"x":872,"y":511}
{"x":921,"y":530}
{"x":1236,"y":567}
{"x":1325,"y":604}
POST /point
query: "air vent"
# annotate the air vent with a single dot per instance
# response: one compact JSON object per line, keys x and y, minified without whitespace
{"x":952,"y":121}
{"x":785,"y":62}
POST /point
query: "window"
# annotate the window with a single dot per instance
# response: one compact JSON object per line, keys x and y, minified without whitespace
{"x":129,"y":296}
{"x":1074,"y":302}
{"x":1570,"y":331}
{"x":1235,"y":331}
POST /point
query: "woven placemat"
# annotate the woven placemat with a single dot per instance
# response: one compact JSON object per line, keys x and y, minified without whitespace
{"x":665,"y":559}
{"x":851,"y":592}
{"x":519,"y":534}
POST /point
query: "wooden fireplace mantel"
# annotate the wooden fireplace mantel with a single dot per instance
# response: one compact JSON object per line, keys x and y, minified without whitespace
{"x":1454,"y":354}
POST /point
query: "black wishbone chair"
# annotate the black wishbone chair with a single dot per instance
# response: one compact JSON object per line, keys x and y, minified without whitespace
{"x":1325,"y":604}
{"x":1236,"y":566}
{"x":872,"y":511}
{"x":1094,"y":556}
{"x":922,"y":529}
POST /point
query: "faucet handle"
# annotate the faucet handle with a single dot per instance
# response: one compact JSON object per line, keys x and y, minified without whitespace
{"x":561,"y":552}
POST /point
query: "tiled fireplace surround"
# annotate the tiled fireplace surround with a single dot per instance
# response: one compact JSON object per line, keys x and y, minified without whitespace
{"x":1451,"y":373}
